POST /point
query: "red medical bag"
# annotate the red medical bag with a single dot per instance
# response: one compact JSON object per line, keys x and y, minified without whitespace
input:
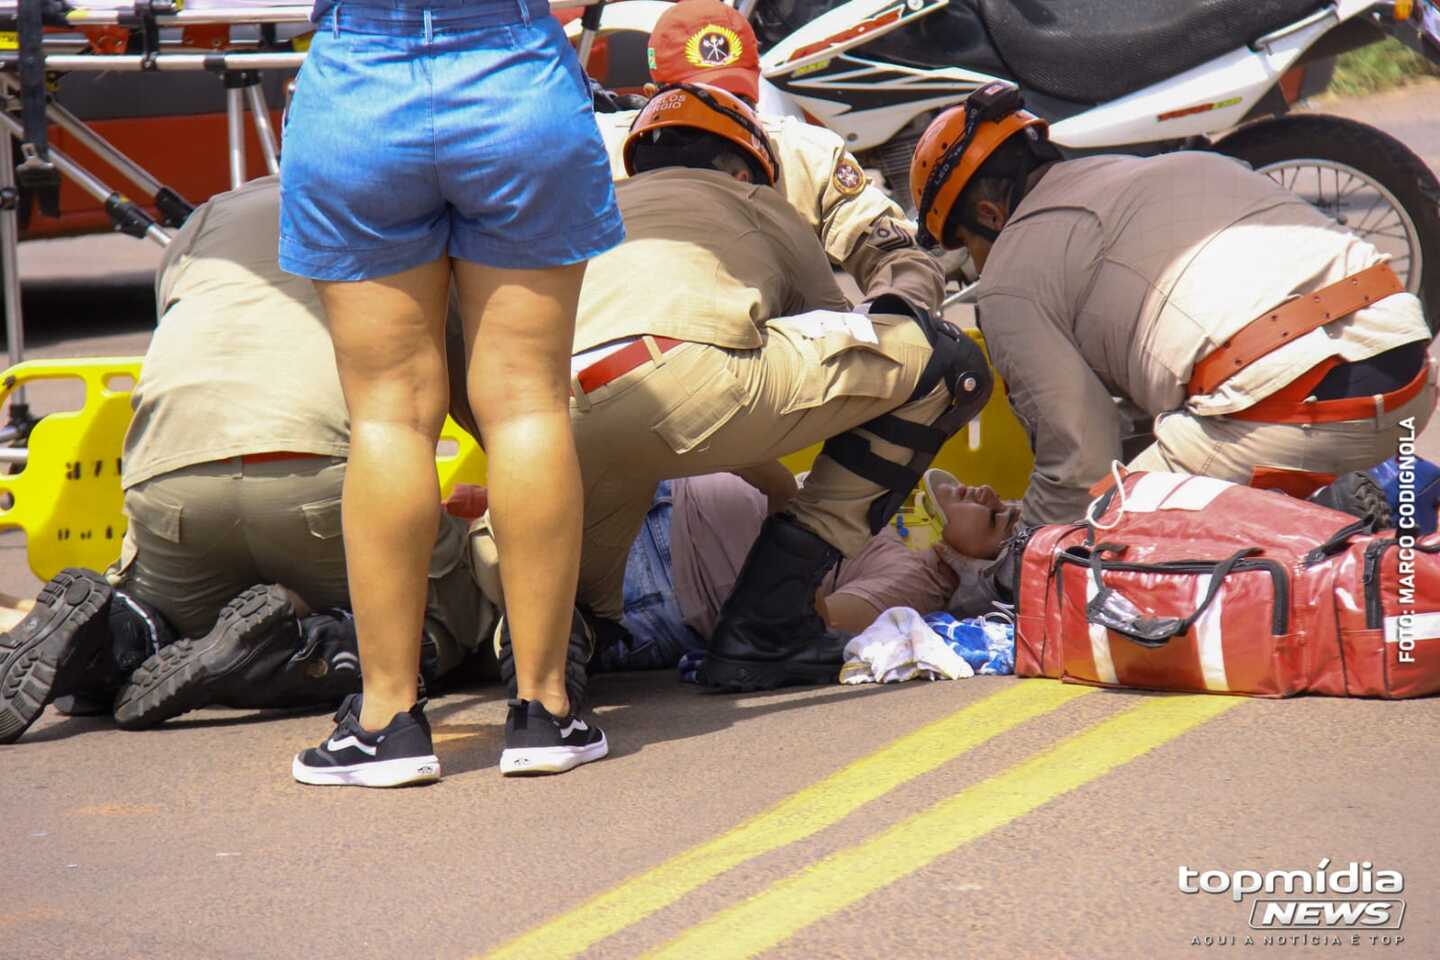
{"x":1194,"y":584}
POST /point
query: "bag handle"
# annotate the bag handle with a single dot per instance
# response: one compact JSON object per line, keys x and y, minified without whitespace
{"x":1114,"y":611}
{"x":1339,"y":541}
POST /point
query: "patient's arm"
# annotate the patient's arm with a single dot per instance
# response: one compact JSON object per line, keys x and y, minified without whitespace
{"x":774,"y":480}
{"x":845,"y":611}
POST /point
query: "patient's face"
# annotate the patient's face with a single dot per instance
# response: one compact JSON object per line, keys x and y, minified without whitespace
{"x":977,"y":521}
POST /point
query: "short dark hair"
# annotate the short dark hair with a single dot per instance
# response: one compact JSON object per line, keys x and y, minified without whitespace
{"x":690,"y":147}
{"x":994,"y":181}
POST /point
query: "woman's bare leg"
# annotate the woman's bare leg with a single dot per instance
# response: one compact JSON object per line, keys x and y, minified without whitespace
{"x":519,"y":330}
{"x":390,"y":350}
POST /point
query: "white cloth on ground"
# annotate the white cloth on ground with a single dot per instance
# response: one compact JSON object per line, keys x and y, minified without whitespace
{"x":900,"y":646}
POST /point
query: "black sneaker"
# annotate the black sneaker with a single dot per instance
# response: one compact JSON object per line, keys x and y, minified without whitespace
{"x":1357,"y":494}
{"x":60,"y":648}
{"x":537,"y":742}
{"x":400,"y":754}
{"x":578,"y":653}
{"x":192,"y":672}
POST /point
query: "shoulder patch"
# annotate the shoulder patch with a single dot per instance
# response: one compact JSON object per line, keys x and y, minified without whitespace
{"x":848,"y":178}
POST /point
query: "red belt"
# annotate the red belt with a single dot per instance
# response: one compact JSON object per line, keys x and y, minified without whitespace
{"x":621,"y":362}
{"x":276,"y":455}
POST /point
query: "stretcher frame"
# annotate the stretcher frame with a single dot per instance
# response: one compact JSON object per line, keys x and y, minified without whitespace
{"x":240,"y":68}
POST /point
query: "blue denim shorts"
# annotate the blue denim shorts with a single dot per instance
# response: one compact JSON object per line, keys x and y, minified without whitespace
{"x":460,"y":127}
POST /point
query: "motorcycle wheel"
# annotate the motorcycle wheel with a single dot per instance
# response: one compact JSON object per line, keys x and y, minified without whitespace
{"x":1363,"y":178}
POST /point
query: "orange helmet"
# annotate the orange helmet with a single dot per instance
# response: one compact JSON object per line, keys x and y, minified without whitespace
{"x":699,"y":106}
{"x":957,"y":143}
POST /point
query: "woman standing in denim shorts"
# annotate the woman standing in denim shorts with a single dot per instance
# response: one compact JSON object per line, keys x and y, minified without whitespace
{"x":431,"y":141}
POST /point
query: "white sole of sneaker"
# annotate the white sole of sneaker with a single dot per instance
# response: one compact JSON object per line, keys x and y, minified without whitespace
{"x":380,"y":773}
{"x":533,"y":761}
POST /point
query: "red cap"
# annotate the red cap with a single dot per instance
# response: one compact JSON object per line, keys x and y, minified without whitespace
{"x":705,"y":41}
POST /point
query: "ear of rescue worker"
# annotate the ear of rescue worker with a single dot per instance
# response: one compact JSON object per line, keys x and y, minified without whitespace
{"x":973,"y":166}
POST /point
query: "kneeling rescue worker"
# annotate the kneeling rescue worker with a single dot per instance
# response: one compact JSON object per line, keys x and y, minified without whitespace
{"x":1273,"y":346}
{"x":695,"y":353}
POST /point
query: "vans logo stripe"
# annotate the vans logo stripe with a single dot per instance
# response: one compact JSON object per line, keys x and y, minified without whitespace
{"x":351,"y":741}
{"x":575,"y":724}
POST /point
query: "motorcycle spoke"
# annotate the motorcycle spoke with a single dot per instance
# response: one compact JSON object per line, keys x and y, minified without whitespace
{"x":1357,"y":203}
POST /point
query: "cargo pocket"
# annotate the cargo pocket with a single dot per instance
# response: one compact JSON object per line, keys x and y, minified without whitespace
{"x":151,"y":508}
{"x":844,"y":365}
{"x":706,"y":407}
{"x":322,"y":518}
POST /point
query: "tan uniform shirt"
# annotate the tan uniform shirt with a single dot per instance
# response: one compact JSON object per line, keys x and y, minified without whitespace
{"x":863,"y":231}
{"x":706,"y":258}
{"x":1117,"y":274}
{"x":241,"y":361}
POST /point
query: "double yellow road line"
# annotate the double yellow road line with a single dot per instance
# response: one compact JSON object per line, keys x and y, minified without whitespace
{"x":833,"y":883}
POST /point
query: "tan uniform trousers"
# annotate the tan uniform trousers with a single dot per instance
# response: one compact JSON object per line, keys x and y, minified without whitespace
{"x":200,"y":535}
{"x":705,"y":409}
{"x":1230,"y":449}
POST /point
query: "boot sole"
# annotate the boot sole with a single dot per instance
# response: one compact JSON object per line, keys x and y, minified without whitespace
{"x":32,"y":664}
{"x":747,"y":676}
{"x":177,"y":679}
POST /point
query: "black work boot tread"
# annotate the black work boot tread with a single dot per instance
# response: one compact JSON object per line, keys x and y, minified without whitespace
{"x":54,"y":649}
{"x":183,"y":676}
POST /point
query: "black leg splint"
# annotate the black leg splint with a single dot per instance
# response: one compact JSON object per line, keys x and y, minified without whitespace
{"x":959,"y":361}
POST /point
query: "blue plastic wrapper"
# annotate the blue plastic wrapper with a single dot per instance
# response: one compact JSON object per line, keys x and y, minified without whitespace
{"x":987,"y":645}
{"x":1425,"y":485}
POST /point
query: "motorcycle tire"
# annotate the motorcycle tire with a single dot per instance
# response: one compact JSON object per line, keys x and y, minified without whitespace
{"x":1376,"y":155}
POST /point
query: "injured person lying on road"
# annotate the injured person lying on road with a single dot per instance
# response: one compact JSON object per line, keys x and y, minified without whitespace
{"x":699,"y":530}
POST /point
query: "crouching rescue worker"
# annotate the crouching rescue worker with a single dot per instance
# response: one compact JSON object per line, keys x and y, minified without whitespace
{"x":862,"y":230}
{"x":1272,"y":346}
{"x":232,"y":572}
{"x":714,"y":339}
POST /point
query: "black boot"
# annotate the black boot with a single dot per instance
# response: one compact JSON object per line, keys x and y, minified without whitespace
{"x":1357,"y":494}
{"x":60,"y":648}
{"x":577,"y":657}
{"x":318,"y":665}
{"x":770,"y":634}
{"x":254,"y":634}
{"x":137,"y":632}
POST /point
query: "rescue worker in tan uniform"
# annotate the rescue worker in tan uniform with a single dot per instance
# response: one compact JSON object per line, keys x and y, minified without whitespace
{"x":863,"y":232}
{"x":1272,"y":346}
{"x":232,"y":471}
{"x":715,"y":338}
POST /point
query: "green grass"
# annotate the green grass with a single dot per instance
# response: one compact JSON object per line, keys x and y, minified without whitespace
{"x":1380,"y":66}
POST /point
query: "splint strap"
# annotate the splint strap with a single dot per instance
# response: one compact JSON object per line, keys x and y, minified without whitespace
{"x":1292,"y":320}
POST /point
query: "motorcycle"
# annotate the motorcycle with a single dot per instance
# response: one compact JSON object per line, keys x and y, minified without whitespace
{"x":1116,"y":77}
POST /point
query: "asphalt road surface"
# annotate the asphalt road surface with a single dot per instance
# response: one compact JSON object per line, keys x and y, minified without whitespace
{"x":986,"y":817}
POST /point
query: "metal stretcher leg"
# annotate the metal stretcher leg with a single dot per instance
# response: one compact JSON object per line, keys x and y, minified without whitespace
{"x":10,"y":275}
{"x":235,"y":128}
{"x":260,"y":113}
{"x":128,"y":218}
